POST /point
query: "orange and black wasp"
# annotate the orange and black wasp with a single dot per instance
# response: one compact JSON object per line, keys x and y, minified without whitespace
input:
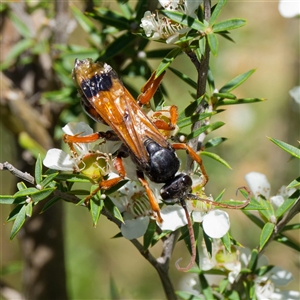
{"x":105,"y":99}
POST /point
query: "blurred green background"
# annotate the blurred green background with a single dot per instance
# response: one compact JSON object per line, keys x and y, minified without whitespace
{"x":269,"y":43}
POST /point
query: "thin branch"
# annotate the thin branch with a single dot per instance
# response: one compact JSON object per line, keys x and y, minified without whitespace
{"x":23,"y":175}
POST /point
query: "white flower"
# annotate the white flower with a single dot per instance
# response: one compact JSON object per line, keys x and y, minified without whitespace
{"x":89,"y":159}
{"x":266,"y":285}
{"x":157,"y":26}
{"x":295,"y":94}
{"x":289,"y":8}
{"x":258,"y":184}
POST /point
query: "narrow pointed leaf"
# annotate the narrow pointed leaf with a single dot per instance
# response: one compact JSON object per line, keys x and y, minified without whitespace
{"x":266,"y":234}
{"x":193,"y":119}
{"x":148,"y":236}
{"x":38,"y":170}
{"x":239,"y":101}
{"x":216,"y":12}
{"x":26,"y":192}
{"x":213,"y":43}
{"x":167,"y":60}
{"x":286,"y":147}
{"x":21,"y":27}
{"x":50,"y":203}
{"x":184,"y":20}
{"x":286,"y":205}
{"x":48,"y":179}
{"x":209,"y":128}
{"x":206,"y":290}
{"x":184,"y":78}
{"x":225,"y":95}
{"x":226,"y":242}
{"x":96,"y":205}
{"x":294,"y":184}
{"x":291,"y":227}
{"x":118,"y":45}
{"x":29,"y":209}
{"x":113,"y":209}
{"x":7,"y":199}
{"x":21,"y":186}
{"x":235,"y":82}
{"x":214,"y":142}
{"x":253,"y":260}
{"x":19,"y":221}
{"x":254,"y":218}
{"x":217,"y":158}
{"x":287,"y":242}
{"x":228,"y":25}
{"x":109,"y":17}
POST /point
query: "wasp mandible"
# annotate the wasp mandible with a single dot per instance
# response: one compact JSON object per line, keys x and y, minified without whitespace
{"x":105,"y":99}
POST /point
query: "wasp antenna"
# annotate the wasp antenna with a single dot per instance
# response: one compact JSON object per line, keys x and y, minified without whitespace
{"x":192,"y":239}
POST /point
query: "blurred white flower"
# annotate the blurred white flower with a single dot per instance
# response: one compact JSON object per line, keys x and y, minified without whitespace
{"x":289,"y":8}
{"x":295,"y":94}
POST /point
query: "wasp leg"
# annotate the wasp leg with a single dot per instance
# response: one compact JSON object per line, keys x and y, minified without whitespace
{"x":107,"y":184}
{"x":149,"y":89}
{"x":194,"y":156}
{"x":154,"y":205}
{"x":192,"y":238}
{"x":108,"y":135}
{"x":163,"y":125}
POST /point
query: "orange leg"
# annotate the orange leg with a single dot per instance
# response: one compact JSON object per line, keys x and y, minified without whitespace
{"x":152,"y":200}
{"x":194,"y":156}
{"x":149,"y":89}
{"x":163,"y":125}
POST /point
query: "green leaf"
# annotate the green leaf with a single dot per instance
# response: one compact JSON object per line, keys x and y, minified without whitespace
{"x":184,"y":19}
{"x":38,"y":170}
{"x":183,"y":122}
{"x":48,"y":179}
{"x":148,"y":236}
{"x":213,"y":43}
{"x":113,"y":289}
{"x":184,"y":78}
{"x":287,"y":242}
{"x":226,"y":241}
{"x":286,"y":147}
{"x":41,"y":195}
{"x":225,"y":95}
{"x":25,"y":192}
{"x":21,"y":27}
{"x":158,"y":54}
{"x":113,"y":209}
{"x":286,"y":205}
{"x":239,"y":101}
{"x":216,"y":12}
{"x":19,"y":221}
{"x":19,"y":48}
{"x":21,"y":186}
{"x":205,"y":288}
{"x":96,"y":205}
{"x":263,"y":270}
{"x":200,"y":50}
{"x":86,"y":24}
{"x":228,"y":25}
{"x":266,"y":234}
{"x":188,"y":296}
{"x":235,"y":82}
{"x":29,"y":209}
{"x":118,"y":45}
{"x":208,"y":128}
{"x":109,"y":17}
{"x":217,"y":158}
{"x":167,"y":60}
{"x":291,"y":227}
{"x":7,"y":199}
{"x":214,"y":142}
{"x":253,"y":260}
{"x":50,"y":203}
{"x":73,"y":177}
{"x":294,"y":184}
{"x":190,"y":109}
{"x":254,"y":218}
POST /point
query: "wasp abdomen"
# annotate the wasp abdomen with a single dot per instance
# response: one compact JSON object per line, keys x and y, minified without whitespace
{"x":97,"y":83}
{"x":163,"y":162}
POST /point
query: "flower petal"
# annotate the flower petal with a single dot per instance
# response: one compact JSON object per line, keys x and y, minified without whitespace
{"x":135,"y":228}
{"x":216,"y":223}
{"x":258,"y":184}
{"x":57,"y":159}
{"x":289,"y":9}
{"x":173,"y":216}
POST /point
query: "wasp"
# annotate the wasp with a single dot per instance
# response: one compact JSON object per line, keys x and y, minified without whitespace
{"x":105,"y":99}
